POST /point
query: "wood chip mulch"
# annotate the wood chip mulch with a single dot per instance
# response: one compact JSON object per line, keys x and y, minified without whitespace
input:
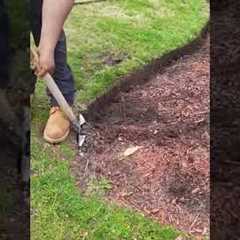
{"x":167,"y":178}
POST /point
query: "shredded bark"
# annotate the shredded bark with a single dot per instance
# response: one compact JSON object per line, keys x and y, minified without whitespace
{"x":167,"y":177}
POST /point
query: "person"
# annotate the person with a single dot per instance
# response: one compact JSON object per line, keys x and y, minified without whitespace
{"x":48,"y":19}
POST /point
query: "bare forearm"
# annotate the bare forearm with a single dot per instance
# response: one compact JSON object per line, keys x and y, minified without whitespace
{"x":54,"y":13}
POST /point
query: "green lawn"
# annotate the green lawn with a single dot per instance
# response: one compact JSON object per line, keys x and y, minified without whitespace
{"x":60,"y":212}
{"x":135,"y":31}
{"x":98,"y":34}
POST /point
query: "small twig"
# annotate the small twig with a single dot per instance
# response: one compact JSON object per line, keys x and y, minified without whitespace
{"x":231,"y":162}
{"x":86,"y":168}
{"x":88,"y":2}
{"x":194,"y":221}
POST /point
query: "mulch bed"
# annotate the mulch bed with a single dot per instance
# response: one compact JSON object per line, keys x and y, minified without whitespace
{"x":167,"y":178}
{"x":225,"y":124}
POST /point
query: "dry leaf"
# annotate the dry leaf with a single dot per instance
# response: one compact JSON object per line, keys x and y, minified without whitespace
{"x":179,"y":238}
{"x":131,"y":150}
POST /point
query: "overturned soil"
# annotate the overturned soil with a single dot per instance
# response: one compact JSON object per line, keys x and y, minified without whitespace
{"x":167,"y":177}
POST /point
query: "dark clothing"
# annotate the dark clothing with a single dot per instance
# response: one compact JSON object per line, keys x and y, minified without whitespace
{"x":63,"y":75}
{"x":4,"y":46}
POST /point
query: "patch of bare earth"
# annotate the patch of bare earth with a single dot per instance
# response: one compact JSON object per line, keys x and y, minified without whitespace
{"x":167,"y":178}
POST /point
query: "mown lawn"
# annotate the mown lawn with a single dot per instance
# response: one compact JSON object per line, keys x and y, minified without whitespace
{"x":60,"y":212}
{"x":106,"y":40}
{"x":133,"y":32}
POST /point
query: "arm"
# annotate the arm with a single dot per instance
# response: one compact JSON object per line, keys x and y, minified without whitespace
{"x":54,"y":14}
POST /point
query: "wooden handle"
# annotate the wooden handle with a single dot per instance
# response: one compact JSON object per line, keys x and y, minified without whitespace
{"x":53,"y":88}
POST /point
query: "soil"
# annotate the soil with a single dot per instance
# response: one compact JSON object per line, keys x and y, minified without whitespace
{"x":225,"y":124}
{"x":14,"y":206}
{"x":167,"y":177}
{"x":14,"y":197}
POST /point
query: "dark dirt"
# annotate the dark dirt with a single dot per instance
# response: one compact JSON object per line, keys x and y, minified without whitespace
{"x":14,"y":195}
{"x":113,"y":59}
{"x":225,"y":124}
{"x":167,"y":178}
{"x":14,"y":207}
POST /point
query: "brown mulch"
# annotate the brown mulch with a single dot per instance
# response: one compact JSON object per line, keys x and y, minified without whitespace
{"x":225,"y":124}
{"x":168,"y":177}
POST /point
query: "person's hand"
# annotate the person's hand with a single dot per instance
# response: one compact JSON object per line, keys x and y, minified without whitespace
{"x":45,"y":62}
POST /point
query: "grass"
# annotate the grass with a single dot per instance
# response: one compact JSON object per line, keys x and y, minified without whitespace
{"x":105,"y":40}
{"x":60,"y":212}
{"x":132,"y":31}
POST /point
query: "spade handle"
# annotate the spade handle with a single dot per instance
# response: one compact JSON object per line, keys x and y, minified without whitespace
{"x":54,"y":90}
